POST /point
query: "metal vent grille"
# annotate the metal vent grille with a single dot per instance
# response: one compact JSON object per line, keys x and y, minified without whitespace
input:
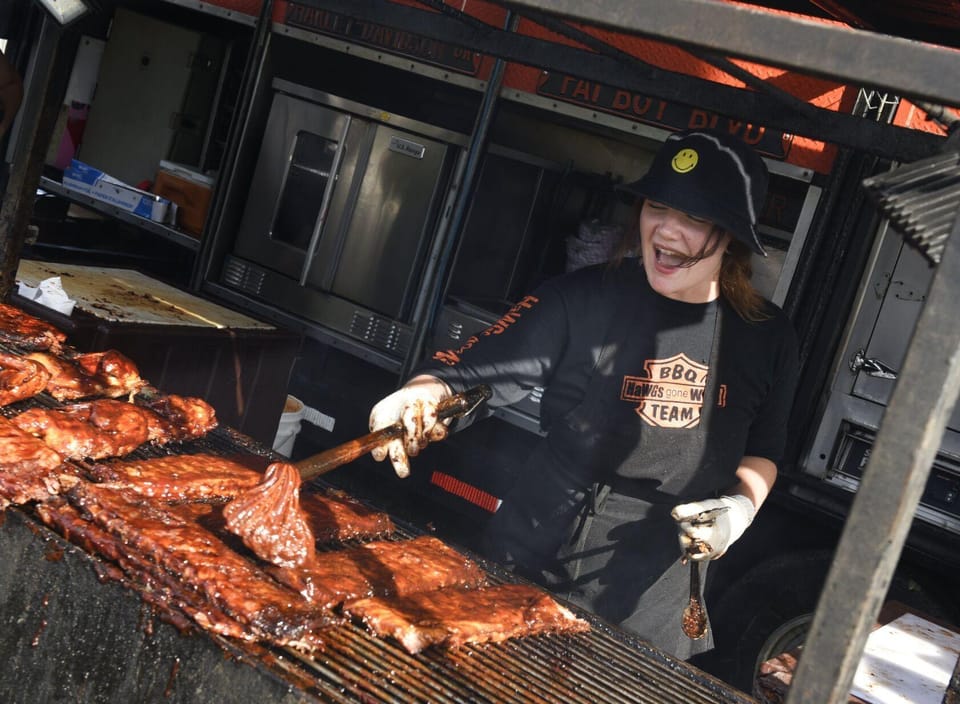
{"x":921,"y":201}
{"x":376,"y":331}
{"x":240,"y":275}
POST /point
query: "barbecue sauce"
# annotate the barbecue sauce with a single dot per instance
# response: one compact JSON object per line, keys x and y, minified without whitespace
{"x":269,"y":520}
{"x":694,"y":622}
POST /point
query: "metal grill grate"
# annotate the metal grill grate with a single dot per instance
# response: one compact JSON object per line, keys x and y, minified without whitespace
{"x":603,"y":665}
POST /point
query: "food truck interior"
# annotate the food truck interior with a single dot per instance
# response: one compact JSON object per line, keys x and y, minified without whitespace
{"x":370,"y":182}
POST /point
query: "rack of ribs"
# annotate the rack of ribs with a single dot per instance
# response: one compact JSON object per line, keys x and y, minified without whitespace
{"x":177,"y":478}
{"x":107,"y":374}
{"x":269,"y":520}
{"x":20,"y":378}
{"x":380,"y":568}
{"x":29,"y":470}
{"x":17,"y":327}
{"x":183,"y":552}
{"x":450,"y":618}
{"x":175,"y":603}
{"x":335,"y":517}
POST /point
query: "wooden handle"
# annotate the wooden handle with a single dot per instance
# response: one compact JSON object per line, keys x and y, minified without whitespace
{"x":328,"y":460}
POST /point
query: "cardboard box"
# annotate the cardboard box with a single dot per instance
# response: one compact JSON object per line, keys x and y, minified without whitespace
{"x":190,"y":190}
{"x":86,"y":179}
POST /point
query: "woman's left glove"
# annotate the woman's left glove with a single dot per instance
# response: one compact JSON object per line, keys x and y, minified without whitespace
{"x":709,"y":527}
{"x":415,"y":406}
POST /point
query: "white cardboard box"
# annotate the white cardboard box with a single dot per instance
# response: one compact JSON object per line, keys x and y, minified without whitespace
{"x":93,"y":182}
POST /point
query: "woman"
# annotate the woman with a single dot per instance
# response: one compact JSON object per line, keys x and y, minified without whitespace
{"x":668,"y":383}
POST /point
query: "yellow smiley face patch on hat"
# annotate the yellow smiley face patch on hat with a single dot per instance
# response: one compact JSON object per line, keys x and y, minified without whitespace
{"x":685,"y":160}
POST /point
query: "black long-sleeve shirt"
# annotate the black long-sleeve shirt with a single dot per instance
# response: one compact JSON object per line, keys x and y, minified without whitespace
{"x":648,"y":402}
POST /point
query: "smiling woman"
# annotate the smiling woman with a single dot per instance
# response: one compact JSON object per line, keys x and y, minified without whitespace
{"x":681,"y":253}
{"x":703,"y":195}
{"x":667,"y":388}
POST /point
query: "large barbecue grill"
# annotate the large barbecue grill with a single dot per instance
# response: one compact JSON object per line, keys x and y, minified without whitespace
{"x":76,"y":630}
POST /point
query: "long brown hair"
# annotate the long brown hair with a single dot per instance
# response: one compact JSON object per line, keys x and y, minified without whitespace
{"x":735,"y":285}
{"x":736,"y":270}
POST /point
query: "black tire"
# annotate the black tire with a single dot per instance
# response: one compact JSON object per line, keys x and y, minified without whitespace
{"x":769,"y":609}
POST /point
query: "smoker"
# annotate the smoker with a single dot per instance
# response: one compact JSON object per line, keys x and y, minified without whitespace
{"x":342,"y":209}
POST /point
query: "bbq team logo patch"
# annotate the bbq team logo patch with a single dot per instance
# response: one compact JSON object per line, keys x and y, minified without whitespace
{"x":670,"y":392}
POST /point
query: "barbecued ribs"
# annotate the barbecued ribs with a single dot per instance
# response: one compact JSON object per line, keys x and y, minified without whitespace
{"x":19,"y":328}
{"x":108,"y":428}
{"x":381,"y":568}
{"x":175,"y":602}
{"x":181,"y":552}
{"x":335,"y":517}
{"x":178,"y":478}
{"x":29,"y":470}
{"x":269,"y":520}
{"x":452,"y":617}
{"x":20,"y":378}
{"x":102,"y":374}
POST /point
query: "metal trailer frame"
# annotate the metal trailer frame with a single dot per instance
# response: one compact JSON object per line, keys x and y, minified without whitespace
{"x":780,"y":110}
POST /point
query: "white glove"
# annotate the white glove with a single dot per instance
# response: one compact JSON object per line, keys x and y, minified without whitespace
{"x":707,"y":537}
{"x":415,"y":406}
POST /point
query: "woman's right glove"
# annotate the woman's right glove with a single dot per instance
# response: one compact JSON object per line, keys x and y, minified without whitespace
{"x":415,"y":406}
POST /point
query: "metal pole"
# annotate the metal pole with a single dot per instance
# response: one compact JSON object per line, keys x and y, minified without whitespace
{"x":47,"y":87}
{"x":883,"y":509}
{"x":253,"y":66}
{"x":436,"y":271}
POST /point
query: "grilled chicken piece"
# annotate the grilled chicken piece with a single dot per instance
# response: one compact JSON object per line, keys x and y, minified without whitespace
{"x":108,"y":428}
{"x":17,"y":327}
{"x":93,"y":429}
{"x":20,"y":378}
{"x":29,"y":470}
{"x":185,"y":417}
{"x":106,"y":374}
{"x":116,"y":371}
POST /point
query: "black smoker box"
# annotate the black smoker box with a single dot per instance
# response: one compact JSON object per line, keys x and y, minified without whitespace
{"x":180,"y":343}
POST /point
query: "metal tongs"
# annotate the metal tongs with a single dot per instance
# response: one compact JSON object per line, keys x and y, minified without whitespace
{"x":694,"y":617}
{"x":455,"y":406}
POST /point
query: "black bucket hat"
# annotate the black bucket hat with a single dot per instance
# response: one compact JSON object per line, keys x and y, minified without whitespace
{"x":711,"y":175}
